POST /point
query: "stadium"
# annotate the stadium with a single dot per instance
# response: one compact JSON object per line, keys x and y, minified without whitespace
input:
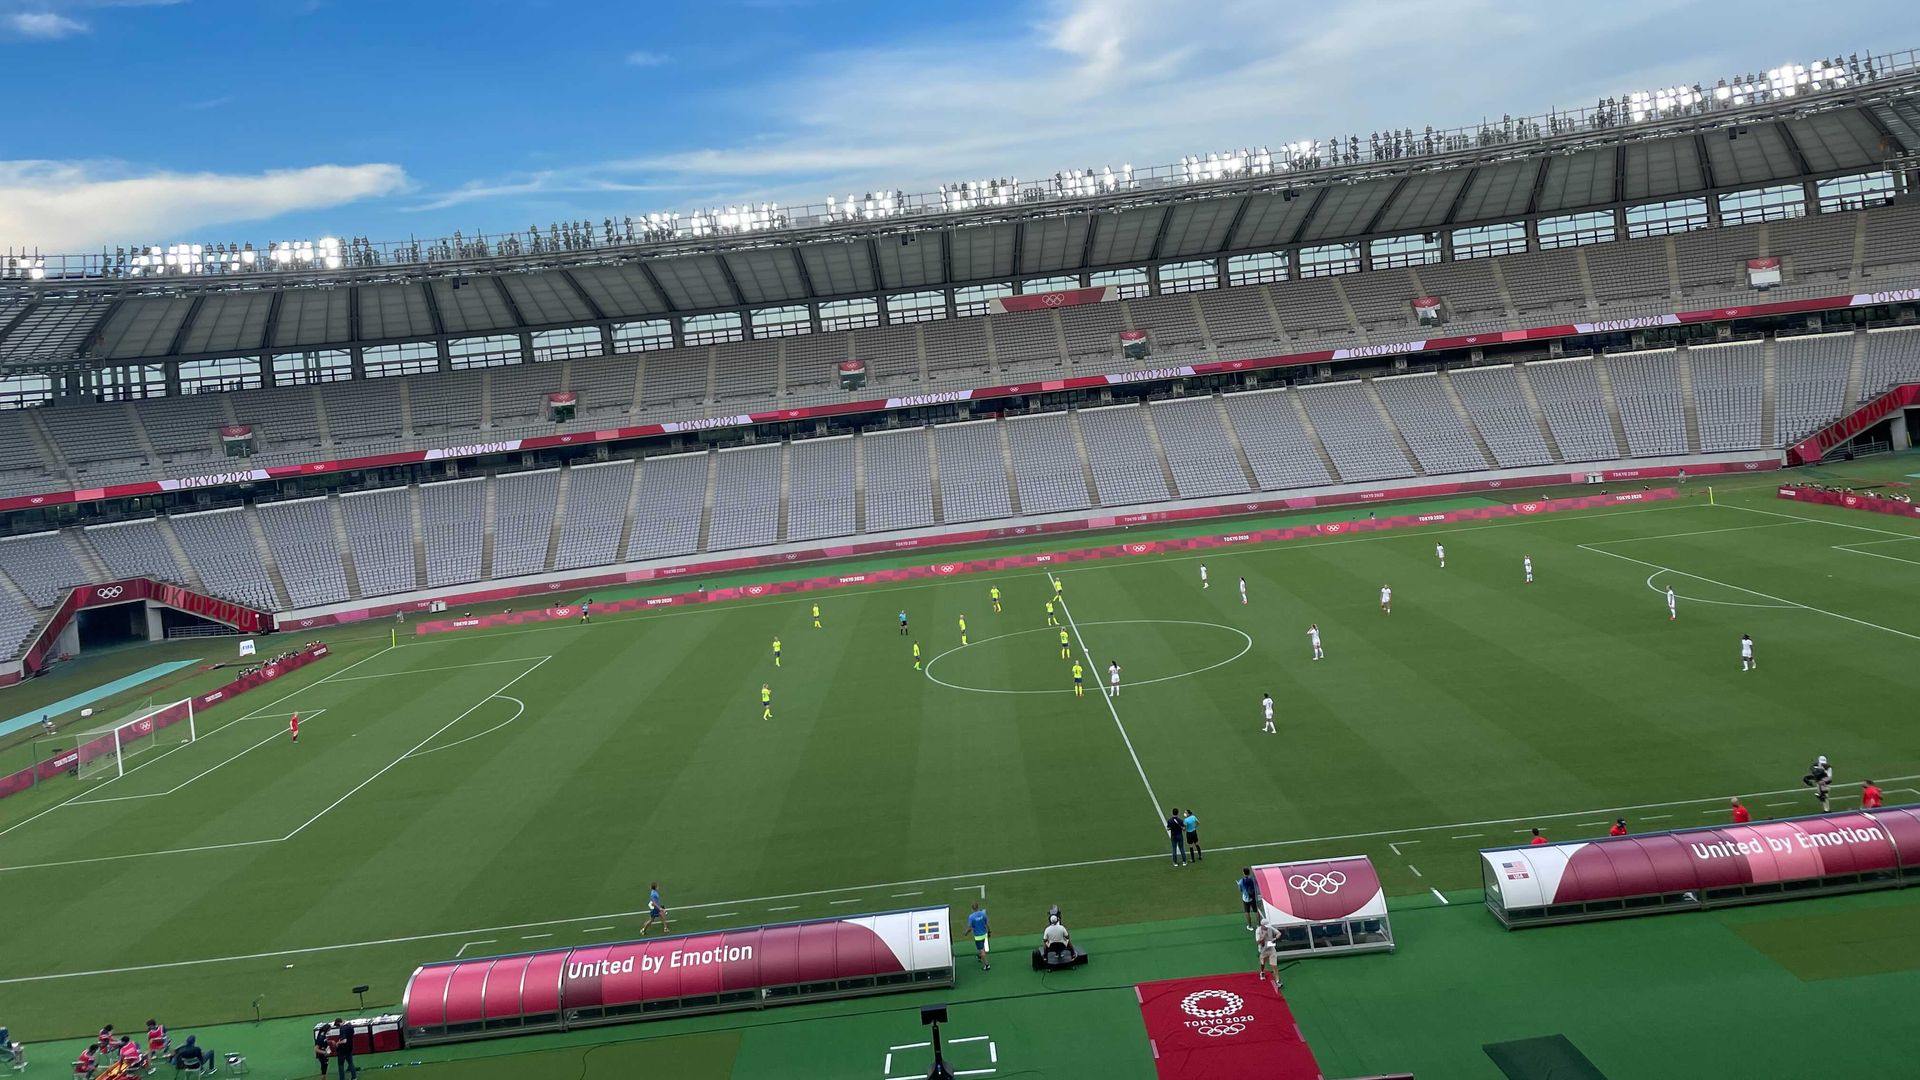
{"x":836,"y":570}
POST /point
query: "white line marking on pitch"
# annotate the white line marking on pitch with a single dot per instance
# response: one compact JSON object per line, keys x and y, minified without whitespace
{"x":276,"y":736}
{"x":595,"y":929}
{"x":1416,"y":870}
{"x":848,"y":900}
{"x":1750,"y":592}
{"x":916,"y":892}
{"x":724,"y":915}
{"x":1469,"y":836}
{"x":1087,"y":656}
{"x":785,"y":907}
{"x":471,"y":944}
{"x":1395,"y":846}
{"x":910,"y":1046}
{"x":1655,"y":817}
{"x":968,"y":1039}
{"x":517,"y":714}
{"x":1007,"y":872}
{"x":1436,"y":893}
{"x":455,"y":667}
{"x":534,"y":937}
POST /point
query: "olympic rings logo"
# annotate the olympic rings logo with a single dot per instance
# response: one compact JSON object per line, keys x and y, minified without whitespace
{"x":1317,"y":883}
{"x":1230,"y":1004}
{"x":109,"y":593}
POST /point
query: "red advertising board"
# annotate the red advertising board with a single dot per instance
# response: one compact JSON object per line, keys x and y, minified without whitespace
{"x":1816,"y":446}
{"x":748,"y":967}
{"x":1851,"y":500}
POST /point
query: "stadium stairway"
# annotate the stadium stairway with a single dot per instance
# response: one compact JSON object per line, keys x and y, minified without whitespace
{"x":632,"y":511}
{"x":347,"y":567}
{"x":1233,"y":439}
{"x":1466,"y":418}
{"x":1857,"y":371}
{"x":264,"y":551}
{"x":486,"y":537}
{"x":179,"y":550}
{"x":1346,"y":307}
{"x":1521,"y":376}
{"x":1605,"y":378}
{"x":1086,"y":460}
{"x":559,"y":515}
{"x":1506,"y":297}
{"x":417,"y":516}
{"x":43,"y":444}
{"x":1006,"y":462}
{"x":1159,"y":450}
{"x":860,"y":483}
{"x":706,"y":506}
{"x":1770,"y":353}
{"x":1586,"y":283}
{"x":1689,"y":407}
{"x":1399,"y":437}
{"x":1306,"y":425}
{"x":933,"y":475}
{"x":88,"y":558}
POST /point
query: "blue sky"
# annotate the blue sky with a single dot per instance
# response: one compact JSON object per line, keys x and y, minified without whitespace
{"x":155,"y":121}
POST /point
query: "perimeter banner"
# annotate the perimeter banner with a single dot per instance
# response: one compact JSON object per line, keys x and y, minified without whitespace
{"x":1224,"y":1027}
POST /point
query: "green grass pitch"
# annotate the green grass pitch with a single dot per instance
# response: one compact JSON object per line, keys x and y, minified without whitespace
{"x":497,"y":791}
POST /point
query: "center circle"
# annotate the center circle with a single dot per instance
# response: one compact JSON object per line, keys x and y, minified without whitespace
{"x":1096,"y":672}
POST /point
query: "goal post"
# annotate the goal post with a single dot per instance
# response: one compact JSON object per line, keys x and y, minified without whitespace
{"x":108,"y":751}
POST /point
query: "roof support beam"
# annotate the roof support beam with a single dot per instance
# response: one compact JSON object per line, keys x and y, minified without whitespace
{"x":1706,"y":161}
{"x":353,"y":313}
{"x":273,"y":318}
{"x":1793,"y":147}
{"x":1620,"y":172}
{"x":1086,"y":243}
{"x":1300,"y":230}
{"x":733,"y":284}
{"x":1538,"y":186}
{"x":500,"y":286}
{"x":1890,"y":143}
{"x":581,"y":292}
{"x":1233,"y":227}
{"x":433,"y":303}
{"x":873,"y":263}
{"x":1460,"y":197}
{"x":806,"y":279}
{"x":646,"y":271}
{"x":1160,"y":234}
{"x":1400,"y":185}
{"x":1019,"y":248}
{"x":946,"y":258}
{"x":180,"y":334}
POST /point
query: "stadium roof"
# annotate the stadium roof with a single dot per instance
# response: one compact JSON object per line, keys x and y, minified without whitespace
{"x":1564,"y":164}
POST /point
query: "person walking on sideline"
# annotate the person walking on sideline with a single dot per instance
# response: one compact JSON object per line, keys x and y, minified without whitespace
{"x":1870,"y":796}
{"x":1266,"y":943}
{"x":1177,"y":833}
{"x":1619,"y":827}
{"x":1740,"y":813}
{"x":656,"y":911}
{"x":977,"y":923}
{"x":1249,"y":894}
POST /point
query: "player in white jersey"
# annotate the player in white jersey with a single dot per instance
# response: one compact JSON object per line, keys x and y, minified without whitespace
{"x":1203,"y":575}
{"x":1526,"y":561}
{"x":1440,"y":552}
{"x":1266,"y":706}
{"x":1747,"y":662}
{"x":1386,"y":599}
{"x":1313,"y":635}
{"x":1113,"y":677}
{"x":1243,"y":590}
{"x":1673,"y":605}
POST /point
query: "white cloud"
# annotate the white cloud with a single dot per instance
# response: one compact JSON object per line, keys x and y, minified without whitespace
{"x":43,"y":25}
{"x":73,"y":206}
{"x":645,"y":58}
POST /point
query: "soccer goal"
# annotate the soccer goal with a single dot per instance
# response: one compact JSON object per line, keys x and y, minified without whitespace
{"x":107,"y":752}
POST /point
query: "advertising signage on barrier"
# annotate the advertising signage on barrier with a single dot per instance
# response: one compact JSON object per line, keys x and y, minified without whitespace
{"x":747,"y":968}
{"x":1325,"y":905}
{"x":1707,"y":867}
{"x":109,"y":593}
{"x":1850,"y":500}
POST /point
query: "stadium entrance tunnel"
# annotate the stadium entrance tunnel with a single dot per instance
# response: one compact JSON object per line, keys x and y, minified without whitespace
{"x":1028,"y":661}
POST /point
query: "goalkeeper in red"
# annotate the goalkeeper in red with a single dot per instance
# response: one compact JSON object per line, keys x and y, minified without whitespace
{"x":293,"y":727}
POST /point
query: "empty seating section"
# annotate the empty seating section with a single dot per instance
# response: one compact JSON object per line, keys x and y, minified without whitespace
{"x":1278,"y":446}
{"x":746,"y":498}
{"x":604,"y":386}
{"x":1468,"y":287}
{"x":21,"y":467}
{"x":449,"y":403}
{"x":1125,"y":468}
{"x":892,"y":353}
{"x":281,"y":419}
{"x":1171,"y":324}
{"x":1821,"y":245}
{"x":380,"y":538}
{"x":812,"y":363}
{"x":1238,"y":321}
{"x":1728,"y":384}
{"x":1893,"y":237}
{"x":1431,"y":425}
{"x":1045,"y":464}
{"x":1569,"y":395}
{"x":1355,"y":437}
{"x":1629,"y":270}
{"x":746,"y":371}
{"x":898,"y":485}
{"x":666,"y":517}
{"x":131,"y":549}
{"x":973,"y":472}
{"x":1498,"y":406}
{"x":597,"y":498}
{"x":42,"y":566}
{"x":1809,"y":384}
{"x":1715,"y":260}
{"x":1380,"y":299}
{"x":517,"y":395}
{"x":1092,"y":331}
{"x":1543,"y":280}
{"x":86,"y":434}
{"x":674,"y":375}
{"x":1198,"y":449}
{"x":524,"y":505}
{"x":16,"y":625}
{"x":301,"y":535}
{"x":1646,"y":387}
{"x":184,"y":428}
{"x":220,"y":546}
{"x":1893,"y":357}
{"x":452,"y":519}
{"x":360,"y":412}
{"x":956,"y":347}
{"x":821,"y":502}
{"x":1310,"y":308}
{"x":1025,"y":340}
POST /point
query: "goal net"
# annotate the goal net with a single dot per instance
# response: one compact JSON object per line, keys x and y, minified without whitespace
{"x":109,"y":751}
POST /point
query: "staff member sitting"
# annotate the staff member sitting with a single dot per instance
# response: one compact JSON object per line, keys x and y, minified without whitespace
{"x":190,"y":1058}
{"x":1056,"y":947}
{"x":1055,"y":937}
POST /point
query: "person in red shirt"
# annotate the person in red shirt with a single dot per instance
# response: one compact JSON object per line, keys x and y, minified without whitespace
{"x":1619,"y":828}
{"x":129,"y":1052}
{"x":156,"y":1040}
{"x":1740,"y":815}
{"x":85,"y":1065}
{"x":1869,"y":796}
{"x":293,"y":727}
{"x":1537,"y":839}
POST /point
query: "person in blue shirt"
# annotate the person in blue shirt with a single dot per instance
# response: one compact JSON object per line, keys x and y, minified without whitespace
{"x":903,"y":624}
{"x":656,"y":912}
{"x":1249,"y":894}
{"x":977,"y":922}
{"x":1192,"y":823}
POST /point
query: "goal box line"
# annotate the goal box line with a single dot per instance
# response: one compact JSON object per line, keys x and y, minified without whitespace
{"x":108,"y":748}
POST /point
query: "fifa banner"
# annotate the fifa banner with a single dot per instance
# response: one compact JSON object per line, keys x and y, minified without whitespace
{"x":723,"y":970}
{"x":1698,"y":868}
{"x":1427,"y":310}
{"x":1325,"y":905}
{"x":1763,"y":273}
{"x":248,"y":648}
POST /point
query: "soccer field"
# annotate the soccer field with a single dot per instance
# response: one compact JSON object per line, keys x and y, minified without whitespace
{"x":492,"y":791}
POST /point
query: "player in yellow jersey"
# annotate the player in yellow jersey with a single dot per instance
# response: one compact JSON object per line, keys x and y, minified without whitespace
{"x":994,"y":594}
{"x":916,"y":656}
{"x":1065,"y":653}
{"x":1051,"y":621}
{"x":766,"y":702}
{"x":816,"y":616}
{"x":776,"y":652}
{"x":1079,"y":686}
{"x":963,"y":629}
{"x":1057,"y":583}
